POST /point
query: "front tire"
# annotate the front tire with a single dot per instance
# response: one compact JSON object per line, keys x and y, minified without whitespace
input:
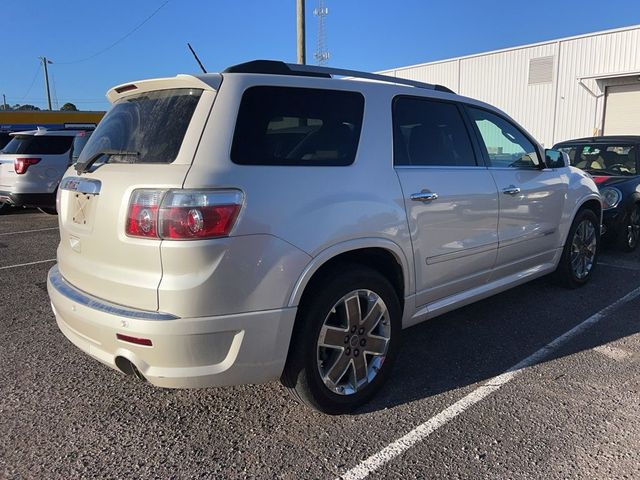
{"x":345,"y":340}
{"x":629,"y":236}
{"x":580,"y":250}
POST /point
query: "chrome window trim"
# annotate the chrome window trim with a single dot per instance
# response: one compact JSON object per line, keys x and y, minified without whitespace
{"x":63,"y":287}
{"x":441,"y":167}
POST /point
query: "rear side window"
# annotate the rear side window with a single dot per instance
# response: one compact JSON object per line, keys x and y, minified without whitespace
{"x":153,"y":124}
{"x":38,"y":145}
{"x":79,"y":143}
{"x":430,"y":133}
{"x":4,"y":139}
{"x":297,"y":126}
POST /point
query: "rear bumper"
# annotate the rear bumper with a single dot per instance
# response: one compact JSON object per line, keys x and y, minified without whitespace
{"x":28,"y":199}
{"x":185,"y":352}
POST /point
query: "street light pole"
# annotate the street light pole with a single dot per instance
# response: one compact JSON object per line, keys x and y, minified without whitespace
{"x":302,"y":55}
{"x":46,"y":78}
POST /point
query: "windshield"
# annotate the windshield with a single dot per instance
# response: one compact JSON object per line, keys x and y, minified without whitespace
{"x":152,"y":124}
{"x":603,"y":159}
{"x":38,"y":145}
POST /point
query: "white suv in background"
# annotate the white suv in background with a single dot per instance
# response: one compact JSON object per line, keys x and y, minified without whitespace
{"x":273,"y":221}
{"x":33,"y":162}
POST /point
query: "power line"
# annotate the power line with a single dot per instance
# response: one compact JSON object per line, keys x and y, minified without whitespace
{"x":131,"y":32}
{"x":33,"y":80}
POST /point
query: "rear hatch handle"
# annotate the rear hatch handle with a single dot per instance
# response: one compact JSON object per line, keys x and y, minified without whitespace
{"x":84,"y":166}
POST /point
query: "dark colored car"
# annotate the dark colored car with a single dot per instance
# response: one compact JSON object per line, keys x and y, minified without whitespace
{"x":614,"y":164}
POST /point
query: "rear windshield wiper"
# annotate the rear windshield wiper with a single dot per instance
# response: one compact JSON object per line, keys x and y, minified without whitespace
{"x":84,"y":166}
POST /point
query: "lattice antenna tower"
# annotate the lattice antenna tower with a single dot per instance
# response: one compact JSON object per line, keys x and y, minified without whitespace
{"x":322,"y":54}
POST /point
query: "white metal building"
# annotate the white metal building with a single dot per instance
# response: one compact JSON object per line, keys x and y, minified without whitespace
{"x":561,"y":89}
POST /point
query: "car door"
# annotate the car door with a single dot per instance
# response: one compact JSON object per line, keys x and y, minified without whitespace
{"x":450,"y":197}
{"x":531,"y":196}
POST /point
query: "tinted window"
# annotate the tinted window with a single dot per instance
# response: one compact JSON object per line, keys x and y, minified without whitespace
{"x":605,"y":159}
{"x":4,"y":139}
{"x":430,"y":133}
{"x":79,"y":143}
{"x":38,"y":145}
{"x":297,"y":126}
{"x":152,"y":124}
{"x":506,"y":145}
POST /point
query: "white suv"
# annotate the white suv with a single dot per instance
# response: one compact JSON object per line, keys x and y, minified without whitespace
{"x":32,"y":164}
{"x":274,"y":222}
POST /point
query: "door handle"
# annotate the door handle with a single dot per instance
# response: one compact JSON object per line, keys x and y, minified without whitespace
{"x":511,"y":190}
{"x":424,"y":196}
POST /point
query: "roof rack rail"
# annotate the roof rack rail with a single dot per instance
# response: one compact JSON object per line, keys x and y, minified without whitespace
{"x":275,"y":67}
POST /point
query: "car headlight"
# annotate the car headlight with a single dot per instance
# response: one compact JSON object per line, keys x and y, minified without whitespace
{"x":610,"y":197}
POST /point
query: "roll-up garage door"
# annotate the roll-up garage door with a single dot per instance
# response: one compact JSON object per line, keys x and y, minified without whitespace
{"x":622,"y":111}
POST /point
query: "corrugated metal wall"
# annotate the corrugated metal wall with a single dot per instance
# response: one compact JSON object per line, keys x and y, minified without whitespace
{"x":553,"y":111}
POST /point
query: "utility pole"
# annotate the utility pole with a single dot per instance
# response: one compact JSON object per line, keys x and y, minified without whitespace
{"x":302,"y":55}
{"x":46,"y":78}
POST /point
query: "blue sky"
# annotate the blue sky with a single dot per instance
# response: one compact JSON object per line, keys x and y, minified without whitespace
{"x":371,"y":35}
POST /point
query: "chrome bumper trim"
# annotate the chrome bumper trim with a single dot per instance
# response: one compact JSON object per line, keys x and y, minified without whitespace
{"x":63,"y":287}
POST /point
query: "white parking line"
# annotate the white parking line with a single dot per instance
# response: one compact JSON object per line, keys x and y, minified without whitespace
{"x":421,"y":432}
{"x":27,"y":264}
{"x":28,"y":231}
{"x":626,"y":265}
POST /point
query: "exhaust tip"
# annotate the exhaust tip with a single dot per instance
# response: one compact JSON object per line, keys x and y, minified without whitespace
{"x":128,"y":368}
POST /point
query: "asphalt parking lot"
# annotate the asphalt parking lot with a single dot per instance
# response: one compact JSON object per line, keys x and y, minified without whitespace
{"x":570,"y":410}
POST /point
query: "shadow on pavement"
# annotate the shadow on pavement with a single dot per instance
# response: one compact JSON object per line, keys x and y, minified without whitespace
{"x":482,"y":340}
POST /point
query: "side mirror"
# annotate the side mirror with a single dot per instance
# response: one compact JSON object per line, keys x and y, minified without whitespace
{"x":556,"y":158}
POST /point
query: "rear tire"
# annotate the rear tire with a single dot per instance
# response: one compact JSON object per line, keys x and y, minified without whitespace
{"x":340,"y":356}
{"x":580,"y":251}
{"x":4,"y":207}
{"x":629,"y":237}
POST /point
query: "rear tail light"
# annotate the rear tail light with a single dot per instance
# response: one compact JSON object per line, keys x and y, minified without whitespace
{"x":183,"y":214}
{"x":20,"y":165}
{"x":142,"y":220}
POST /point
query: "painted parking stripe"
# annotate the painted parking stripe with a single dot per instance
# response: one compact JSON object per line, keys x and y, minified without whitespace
{"x":29,"y":231}
{"x":421,"y":432}
{"x":625,"y":265}
{"x":27,"y":264}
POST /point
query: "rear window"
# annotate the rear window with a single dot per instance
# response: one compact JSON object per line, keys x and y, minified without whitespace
{"x":153,"y":124}
{"x":297,"y":126}
{"x":38,"y":145}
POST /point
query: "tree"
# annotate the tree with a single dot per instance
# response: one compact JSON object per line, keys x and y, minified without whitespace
{"x":25,"y":107}
{"x":68,"y":107}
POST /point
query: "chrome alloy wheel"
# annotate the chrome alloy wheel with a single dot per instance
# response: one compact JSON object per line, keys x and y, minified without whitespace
{"x":583,"y":249}
{"x":633,"y":228}
{"x":353,"y":342}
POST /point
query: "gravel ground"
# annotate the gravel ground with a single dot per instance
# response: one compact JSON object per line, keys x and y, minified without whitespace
{"x":574,"y":415}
